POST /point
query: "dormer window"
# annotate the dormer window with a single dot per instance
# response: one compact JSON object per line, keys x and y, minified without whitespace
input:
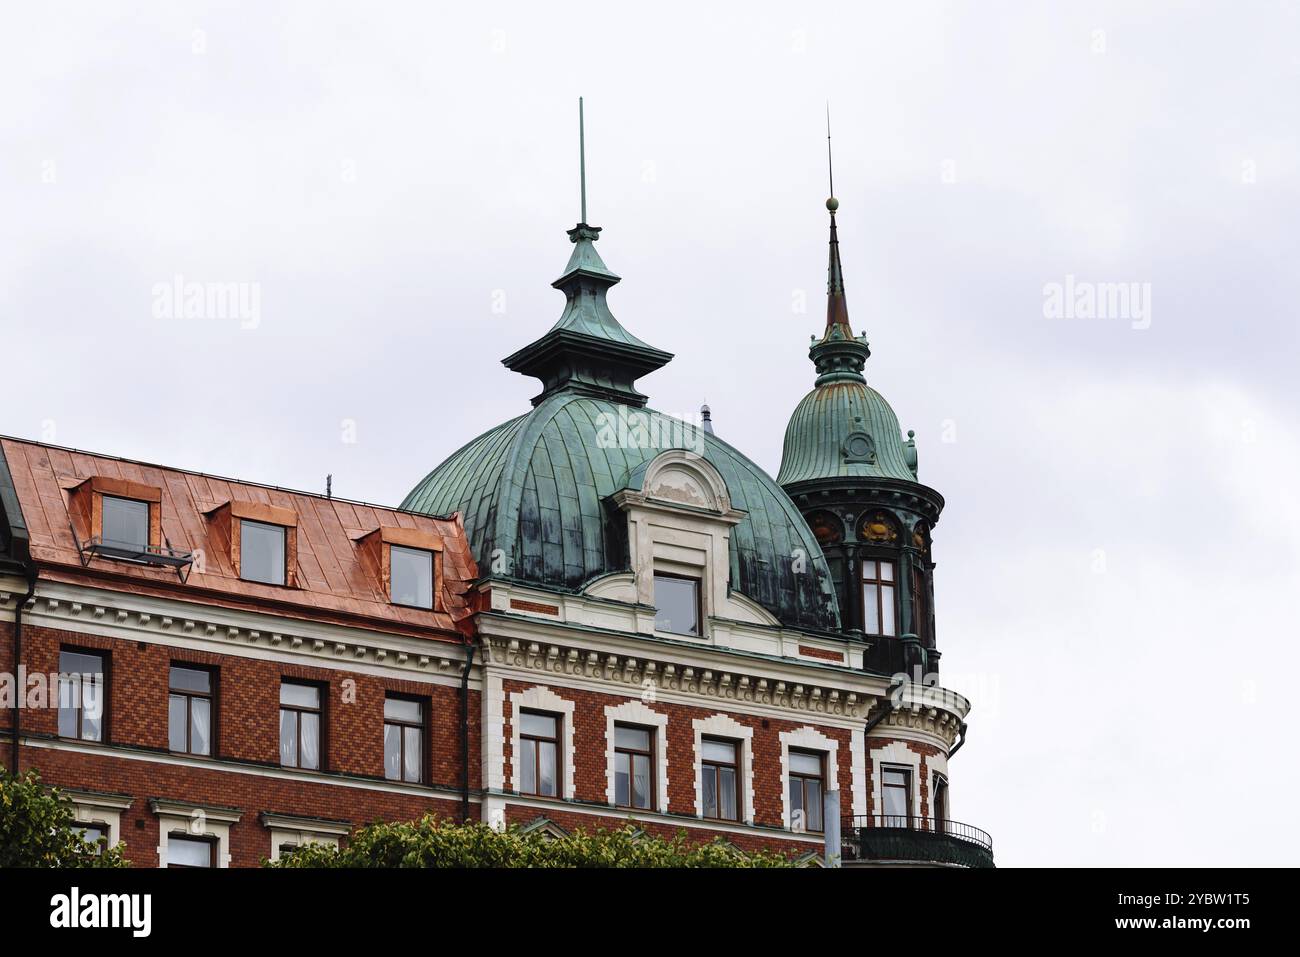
{"x":261,"y":552}
{"x":878,"y":605}
{"x":126,"y":523}
{"x":411,"y":576}
{"x":677,"y":604}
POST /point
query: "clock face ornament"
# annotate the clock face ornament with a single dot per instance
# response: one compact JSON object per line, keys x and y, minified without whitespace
{"x":859,"y":447}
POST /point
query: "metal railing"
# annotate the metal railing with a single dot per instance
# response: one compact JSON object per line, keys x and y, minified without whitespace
{"x":891,"y":656}
{"x":915,"y":838}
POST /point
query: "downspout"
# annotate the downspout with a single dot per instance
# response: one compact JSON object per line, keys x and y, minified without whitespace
{"x":464,"y":732}
{"x":960,"y":742}
{"x":16,"y":724}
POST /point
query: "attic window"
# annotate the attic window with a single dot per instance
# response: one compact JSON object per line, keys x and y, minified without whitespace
{"x":126,"y":522}
{"x":411,"y":576}
{"x":677,"y":604}
{"x":261,"y":552}
{"x":122,"y":520}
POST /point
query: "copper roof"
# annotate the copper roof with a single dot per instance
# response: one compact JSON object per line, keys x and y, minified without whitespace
{"x":333,"y":582}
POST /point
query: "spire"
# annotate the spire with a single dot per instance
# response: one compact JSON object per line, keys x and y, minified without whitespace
{"x":839,"y":355}
{"x":587,"y":350}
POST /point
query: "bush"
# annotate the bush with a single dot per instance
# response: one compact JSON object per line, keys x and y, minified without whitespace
{"x":429,"y":842}
{"x":38,"y":828}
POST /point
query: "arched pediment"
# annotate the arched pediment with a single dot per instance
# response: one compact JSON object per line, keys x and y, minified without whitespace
{"x":682,"y":478}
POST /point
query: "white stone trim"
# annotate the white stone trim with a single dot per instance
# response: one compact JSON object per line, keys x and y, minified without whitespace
{"x":541,"y":698}
{"x":724,"y":726}
{"x":637,"y":712}
{"x":809,"y":739}
{"x":90,"y":807}
{"x":493,"y":746}
{"x":288,"y":829}
{"x":195,"y":820}
{"x":858,"y":753}
{"x":897,"y":754}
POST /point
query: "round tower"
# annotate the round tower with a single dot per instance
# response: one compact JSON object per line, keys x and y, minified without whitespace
{"x":853,"y":476}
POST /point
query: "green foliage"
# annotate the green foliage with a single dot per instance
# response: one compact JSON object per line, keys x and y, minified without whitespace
{"x":38,"y":828}
{"x":429,"y":842}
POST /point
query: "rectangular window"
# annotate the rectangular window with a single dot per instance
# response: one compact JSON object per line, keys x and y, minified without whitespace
{"x":261,"y":552}
{"x":677,"y":604}
{"x":93,"y":833}
{"x":633,"y":766}
{"x":410,"y":576}
{"x":185,"y":851}
{"x":720,"y":779}
{"x":300,"y":726}
{"x":896,"y":795}
{"x":920,"y":616}
{"x":125,"y":522}
{"x":189,"y":710}
{"x":940,"y":805}
{"x":879,"y":616}
{"x":403,"y":740}
{"x":83,"y":695}
{"x":807,"y":789}
{"x":539,"y":760}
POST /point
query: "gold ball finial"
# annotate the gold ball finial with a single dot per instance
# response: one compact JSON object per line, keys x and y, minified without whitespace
{"x":832,"y":204}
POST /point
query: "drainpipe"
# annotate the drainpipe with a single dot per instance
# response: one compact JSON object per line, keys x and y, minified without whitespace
{"x":464,"y":732}
{"x":16,"y":725}
{"x":960,"y":742}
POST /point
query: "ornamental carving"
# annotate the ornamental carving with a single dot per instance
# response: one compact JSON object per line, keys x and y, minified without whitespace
{"x":880,"y":528}
{"x":826,"y":527}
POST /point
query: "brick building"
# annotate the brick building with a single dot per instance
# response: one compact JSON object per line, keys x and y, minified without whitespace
{"x":592,"y":612}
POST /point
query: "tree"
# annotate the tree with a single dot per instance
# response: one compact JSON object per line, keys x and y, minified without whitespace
{"x":38,"y":828}
{"x":430,"y":842}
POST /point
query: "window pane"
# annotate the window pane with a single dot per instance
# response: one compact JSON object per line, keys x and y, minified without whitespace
{"x":803,"y":763}
{"x":709,"y":792}
{"x":622,"y":780}
{"x":91,"y":833}
{"x":887,"y":571}
{"x":309,"y":745}
{"x":895,"y":778}
{"x":300,"y":696}
{"x":392,"y":752}
{"x":200,"y":726}
{"x":92,"y":708}
{"x":187,"y":852}
{"x":411,"y":576}
{"x":887,"y":609}
{"x":289,"y":738}
{"x":176,"y":722}
{"x":541,"y":725}
{"x":126,"y":522}
{"x":69,"y":705}
{"x":412,"y":737}
{"x":813,"y":819}
{"x":719,"y":751}
{"x":191,"y":679}
{"x":635,"y":739}
{"x":546,"y":778}
{"x":261,"y":552}
{"x":641,"y":781}
{"x":727,"y":794}
{"x":400,"y":709}
{"x":528,"y":768}
{"x":677,"y":603}
{"x":871,"y":609}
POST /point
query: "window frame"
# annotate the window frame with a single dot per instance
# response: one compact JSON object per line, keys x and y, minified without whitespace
{"x":802,"y":777}
{"x":299,"y":711}
{"x":105,"y":657}
{"x":707,"y":764}
{"x":212,"y":843}
{"x":284,"y":552}
{"x":880,"y":583}
{"x":210,"y":695}
{"x":651,"y":734}
{"x":698,"y":582}
{"x":886,"y":816}
{"x":531,"y":741}
{"x":421,"y":726}
{"x":433,"y":576}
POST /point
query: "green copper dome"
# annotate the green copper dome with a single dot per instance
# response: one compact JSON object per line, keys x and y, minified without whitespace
{"x":535,"y":492}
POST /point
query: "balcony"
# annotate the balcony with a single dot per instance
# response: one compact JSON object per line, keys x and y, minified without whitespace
{"x":891,"y":656}
{"x":896,"y":839}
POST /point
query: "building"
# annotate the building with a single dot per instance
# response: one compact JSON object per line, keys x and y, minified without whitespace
{"x":590,"y":613}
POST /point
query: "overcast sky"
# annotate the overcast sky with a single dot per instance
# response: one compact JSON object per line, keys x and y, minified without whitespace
{"x":1118,"y":559}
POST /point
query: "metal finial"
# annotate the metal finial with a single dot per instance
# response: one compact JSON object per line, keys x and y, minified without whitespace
{"x":832,"y":203}
{"x":582,"y":159}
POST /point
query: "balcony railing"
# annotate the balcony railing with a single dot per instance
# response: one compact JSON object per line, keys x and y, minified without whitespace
{"x":918,"y":840}
{"x":890,"y":656}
